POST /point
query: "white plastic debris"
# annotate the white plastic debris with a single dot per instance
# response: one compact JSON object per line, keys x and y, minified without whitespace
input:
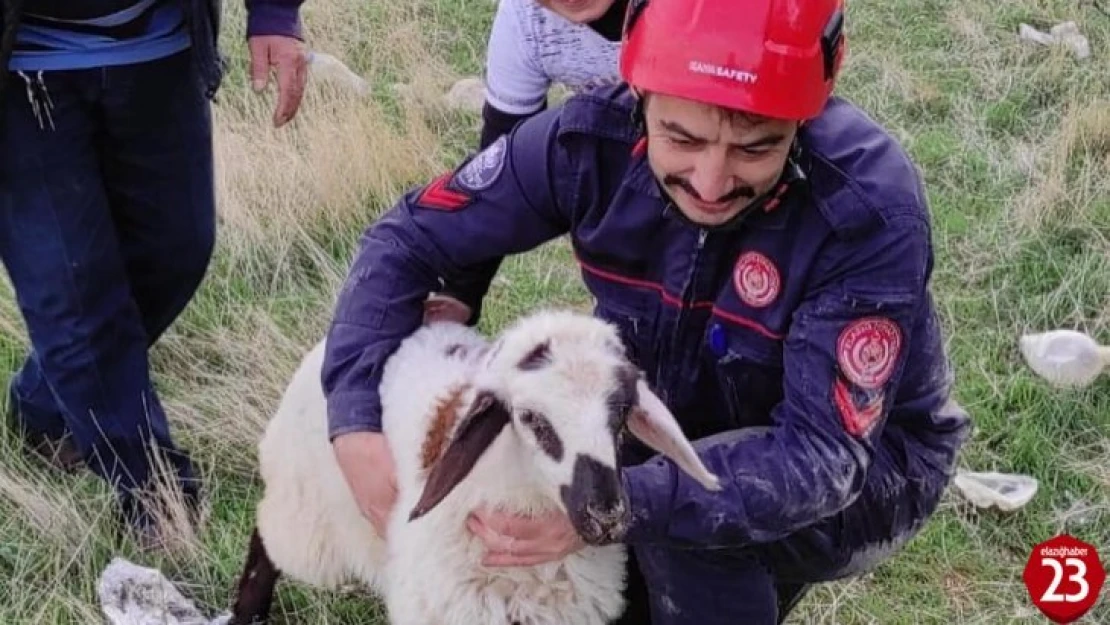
{"x":467,"y":94}
{"x":327,"y":67}
{"x":1065,"y":358}
{"x":1066,"y":33}
{"x":1005,"y":491}
{"x":136,"y":595}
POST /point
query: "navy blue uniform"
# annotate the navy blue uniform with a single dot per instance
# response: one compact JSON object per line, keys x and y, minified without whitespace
{"x":803,"y":349}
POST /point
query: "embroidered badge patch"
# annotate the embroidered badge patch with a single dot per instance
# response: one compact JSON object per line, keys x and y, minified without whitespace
{"x":858,"y":420}
{"x":484,"y":169}
{"x":439,"y":196}
{"x":867,"y":351}
{"x":756,"y":279}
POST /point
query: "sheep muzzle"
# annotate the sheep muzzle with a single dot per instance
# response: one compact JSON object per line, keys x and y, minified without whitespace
{"x":595,"y":502}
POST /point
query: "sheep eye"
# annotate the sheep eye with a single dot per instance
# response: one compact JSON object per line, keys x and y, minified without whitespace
{"x":546,"y":436}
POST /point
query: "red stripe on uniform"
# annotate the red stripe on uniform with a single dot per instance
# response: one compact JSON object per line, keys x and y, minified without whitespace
{"x":436,"y":195}
{"x":676,"y":302}
{"x":640,"y":147}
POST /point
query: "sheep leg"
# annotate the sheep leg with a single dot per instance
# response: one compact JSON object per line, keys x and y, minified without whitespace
{"x":256,"y":585}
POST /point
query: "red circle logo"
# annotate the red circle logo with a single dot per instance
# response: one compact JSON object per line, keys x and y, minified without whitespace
{"x":867,"y":351}
{"x":756,"y":279}
{"x":1064,"y":577}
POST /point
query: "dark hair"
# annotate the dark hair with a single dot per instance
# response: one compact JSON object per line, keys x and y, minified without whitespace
{"x":734,"y":117}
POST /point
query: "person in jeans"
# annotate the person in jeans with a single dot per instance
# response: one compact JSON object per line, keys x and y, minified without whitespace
{"x":108,"y":213}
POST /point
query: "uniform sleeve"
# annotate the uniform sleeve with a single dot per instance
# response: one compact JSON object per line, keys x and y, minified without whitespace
{"x":515,"y":82}
{"x":843,"y":358}
{"x":507,"y":199}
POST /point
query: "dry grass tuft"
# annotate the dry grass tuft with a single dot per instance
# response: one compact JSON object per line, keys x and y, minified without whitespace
{"x":1071,"y":171}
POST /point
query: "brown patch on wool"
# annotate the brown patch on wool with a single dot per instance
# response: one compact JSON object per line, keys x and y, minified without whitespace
{"x":443,"y":423}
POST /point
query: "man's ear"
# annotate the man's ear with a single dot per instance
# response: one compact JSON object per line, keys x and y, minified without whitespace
{"x":488,"y":415}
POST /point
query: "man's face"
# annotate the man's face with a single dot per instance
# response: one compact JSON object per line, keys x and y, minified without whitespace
{"x":578,"y":11}
{"x":713,"y":162}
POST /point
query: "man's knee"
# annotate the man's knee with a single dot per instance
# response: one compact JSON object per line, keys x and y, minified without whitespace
{"x":729,"y":437}
{"x":166,"y":272}
{"x":193,"y":257}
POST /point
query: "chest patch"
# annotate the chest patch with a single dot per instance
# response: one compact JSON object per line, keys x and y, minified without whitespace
{"x":867,"y":350}
{"x":756,"y":279}
{"x":484,"y":169}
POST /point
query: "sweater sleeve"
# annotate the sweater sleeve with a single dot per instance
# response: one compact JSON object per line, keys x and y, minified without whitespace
{"x":515,"y":82}
{"x":274,"y":17}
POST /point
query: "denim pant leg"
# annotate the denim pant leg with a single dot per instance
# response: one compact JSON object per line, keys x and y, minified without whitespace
{"x":156,"y":156}
{"x":68,"y":244}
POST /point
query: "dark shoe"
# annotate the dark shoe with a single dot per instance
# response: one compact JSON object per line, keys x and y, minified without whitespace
{"x":59,"y":453}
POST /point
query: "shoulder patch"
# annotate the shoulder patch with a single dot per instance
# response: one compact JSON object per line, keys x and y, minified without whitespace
{"x":867,"y":351}
{"x":858,"y":419}
{"x":756,"y":279}
{"x":439,"y":195}
{"x":485,"y":168}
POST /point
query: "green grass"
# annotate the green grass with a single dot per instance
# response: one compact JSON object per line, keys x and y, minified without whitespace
{"x":1013,"y":140}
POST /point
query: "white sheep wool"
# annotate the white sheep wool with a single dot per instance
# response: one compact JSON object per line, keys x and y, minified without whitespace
{"x":430,"y":571}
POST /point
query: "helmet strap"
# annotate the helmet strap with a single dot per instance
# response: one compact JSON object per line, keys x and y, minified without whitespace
{"x":639,"y":120}
{"x":831,"y":40}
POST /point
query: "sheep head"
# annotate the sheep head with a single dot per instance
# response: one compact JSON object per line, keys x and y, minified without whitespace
{"x":563,"y":385}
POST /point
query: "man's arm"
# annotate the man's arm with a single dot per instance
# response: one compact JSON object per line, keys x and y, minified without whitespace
{"x":843,"y":358}
{"x":510,"y":198}
{"x":516,"y":83}
{"x":496,"y":122}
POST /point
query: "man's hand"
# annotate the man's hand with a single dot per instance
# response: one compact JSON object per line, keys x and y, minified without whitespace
{"x":522,"y":541}
{"x":287,"y":56}
{"x":367,"y":464}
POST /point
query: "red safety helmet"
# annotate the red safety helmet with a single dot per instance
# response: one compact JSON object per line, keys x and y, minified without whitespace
{"x":777,"y":58}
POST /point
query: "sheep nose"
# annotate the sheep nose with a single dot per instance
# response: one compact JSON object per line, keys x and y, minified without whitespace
{"x":605,"y":523}
{"x":606,"y":513}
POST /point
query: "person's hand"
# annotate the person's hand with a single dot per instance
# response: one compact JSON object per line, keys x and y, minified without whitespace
{"x":513,"y":540}
{"x":367,"y":465}
{"x":288,"y":57}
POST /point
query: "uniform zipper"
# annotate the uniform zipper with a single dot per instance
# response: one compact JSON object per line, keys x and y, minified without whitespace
{"x":689,"y":292}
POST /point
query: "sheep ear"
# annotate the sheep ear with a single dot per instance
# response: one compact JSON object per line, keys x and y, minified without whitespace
{"x":488,"y":415}
{"x":652,"y":423}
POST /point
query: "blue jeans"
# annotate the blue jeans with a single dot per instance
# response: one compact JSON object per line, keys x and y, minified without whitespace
{"x":108,"y":227}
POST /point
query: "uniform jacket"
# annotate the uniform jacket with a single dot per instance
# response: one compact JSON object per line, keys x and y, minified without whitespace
{"x":815,"y":317}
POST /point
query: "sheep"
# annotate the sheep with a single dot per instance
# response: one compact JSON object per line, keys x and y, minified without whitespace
{"x":530,"y":423}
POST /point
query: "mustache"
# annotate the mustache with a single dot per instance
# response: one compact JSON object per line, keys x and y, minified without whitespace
{"x":745,"y":191}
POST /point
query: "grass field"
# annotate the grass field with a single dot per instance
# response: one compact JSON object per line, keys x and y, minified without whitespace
{"x":1014,"y":140}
